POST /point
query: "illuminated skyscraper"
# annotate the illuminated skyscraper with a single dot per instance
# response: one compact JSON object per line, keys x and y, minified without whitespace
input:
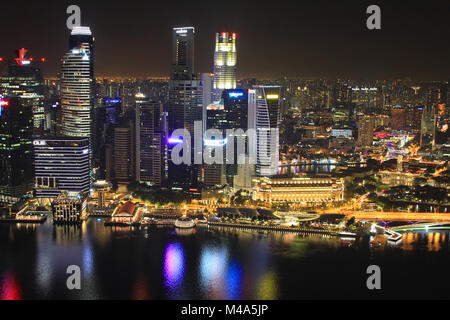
{"x":264,"y":115}
{"x":366,"y":128}
{"x":16,"y":149}
{"x":185,"y":108}
{"x":76,"y":89}
{"x":82,"y":37}
{"x":151,"y":127}
{"x":23,"y":79}
{"x":62,"y":165}
{"x":225,"y":61}
{"x":185,"y":102}
{"x":428,"y":132}
{"x":183,"y":64}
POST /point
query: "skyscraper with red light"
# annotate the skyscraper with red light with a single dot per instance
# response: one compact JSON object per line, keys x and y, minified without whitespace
{"x":23,"y":79}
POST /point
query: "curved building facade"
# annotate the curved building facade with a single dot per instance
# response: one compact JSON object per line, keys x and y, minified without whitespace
{"x":264,"y":108}
{"x":76,"y":93}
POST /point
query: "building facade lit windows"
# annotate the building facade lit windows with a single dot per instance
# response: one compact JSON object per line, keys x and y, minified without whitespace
{"x":299,"y":190}
{"x":225,"y":62}
{"x":23,"y":79}
{"x":76,"y":94}
{"x":61,"y":165}
{"x":151,"y":135}
{"x":183,"y":54}
{"x":69,"y":208}
{"x":16,"y":149}
{"x":264,"y":116}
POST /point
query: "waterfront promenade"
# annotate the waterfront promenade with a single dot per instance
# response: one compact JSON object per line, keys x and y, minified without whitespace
{"x":400,"y":216}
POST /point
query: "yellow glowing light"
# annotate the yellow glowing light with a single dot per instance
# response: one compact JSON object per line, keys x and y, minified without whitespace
{"x":273,"y":97}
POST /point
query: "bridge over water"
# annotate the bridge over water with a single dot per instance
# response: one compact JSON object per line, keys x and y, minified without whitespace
{"x":425,"y":226}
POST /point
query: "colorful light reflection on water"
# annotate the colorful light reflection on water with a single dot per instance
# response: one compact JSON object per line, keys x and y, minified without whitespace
{"x":213,"y":262}
{"x":174,"y":264}
{"x":234,"y":282}
{"x":10,"y":289}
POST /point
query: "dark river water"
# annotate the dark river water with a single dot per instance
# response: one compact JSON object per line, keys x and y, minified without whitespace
{"x":214,"y":264}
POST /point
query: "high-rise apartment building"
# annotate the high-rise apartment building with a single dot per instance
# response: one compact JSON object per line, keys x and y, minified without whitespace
{"x":366,"y":129}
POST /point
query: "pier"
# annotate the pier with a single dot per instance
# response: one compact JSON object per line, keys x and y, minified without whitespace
{"x":282,"y":229}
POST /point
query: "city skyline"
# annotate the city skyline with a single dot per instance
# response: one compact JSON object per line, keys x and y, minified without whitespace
{"x":281,"y":151}
{"x":317,"y":41}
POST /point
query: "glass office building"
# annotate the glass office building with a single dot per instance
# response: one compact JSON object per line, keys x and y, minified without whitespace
{"x":61,"y":166}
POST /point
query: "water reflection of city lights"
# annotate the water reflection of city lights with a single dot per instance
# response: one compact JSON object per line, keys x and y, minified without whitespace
{"x":10,"y":288}
{"x":234,"y":281}
{"x":213,"y":262}
{"x":88,"y":259}
{"x":267,"y":289}
{"x":174,"y":263}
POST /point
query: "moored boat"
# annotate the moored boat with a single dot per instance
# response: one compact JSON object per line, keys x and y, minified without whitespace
{"x":185,"y":223}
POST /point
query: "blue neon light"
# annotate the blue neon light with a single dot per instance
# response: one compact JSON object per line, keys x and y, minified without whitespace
{"x":112,"y":101}
{"x":236,"y":94}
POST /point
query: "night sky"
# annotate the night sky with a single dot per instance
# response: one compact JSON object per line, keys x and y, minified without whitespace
{"x":278,"y":38}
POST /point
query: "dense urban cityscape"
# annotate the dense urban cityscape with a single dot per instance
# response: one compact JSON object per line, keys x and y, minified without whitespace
{"x":204,"y":156}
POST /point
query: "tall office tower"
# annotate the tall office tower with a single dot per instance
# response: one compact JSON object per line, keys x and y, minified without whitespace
{"x":124,"y":154}
{"x":185,"y":103}
{"x":428,"y":131}
{"x":76,"y":92}
{"x":185,"y":109}
{"x":264,"y":115}
{"x":235,"y":104}
{"x":82,"y":37}
{"x":207,"y":82}
{"x":62,"y":166}
{"x":183,"y":66}
{"x":366,"y":129}
{"x":151,"y":134}
{"x":107,"y":115}
{"x":23,"y":79}
{"x":225,"y":61}
{"x":214,"y":175}
{"x":16,"y":149}
{"x":229,"y":114}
